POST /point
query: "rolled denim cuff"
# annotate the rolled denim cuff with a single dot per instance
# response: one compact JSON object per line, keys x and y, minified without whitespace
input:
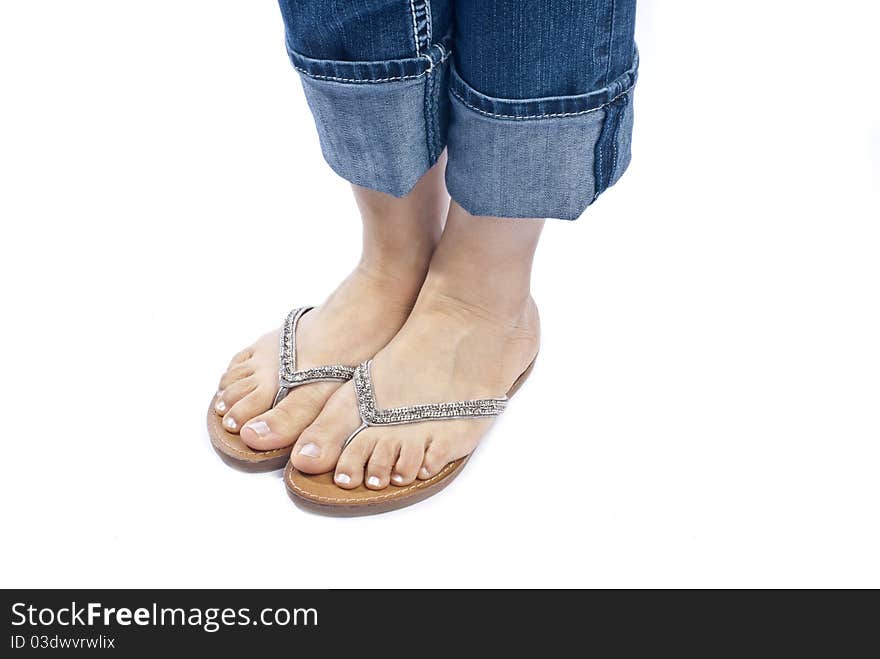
{"x":381,"y":125}
{"x":545,"y":157}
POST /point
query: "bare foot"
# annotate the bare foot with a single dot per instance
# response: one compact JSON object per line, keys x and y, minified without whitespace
{"x":469,"y":336}
{"x":356,"y":321}
{"x":361,"y":316}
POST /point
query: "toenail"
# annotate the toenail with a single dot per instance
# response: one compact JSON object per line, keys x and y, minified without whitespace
{"x":397,"y":478}
{"x":220,"y":406}
{"x":259,"y":427}
{"x":374,"y":481}
{"x":310,"y":450}
{"x":230,"y":423}
{"x":343,"y":479}
{"x":424,"y":472}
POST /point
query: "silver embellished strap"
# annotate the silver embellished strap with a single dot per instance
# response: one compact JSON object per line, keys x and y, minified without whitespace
{"x":288,"y":376}
{"x":372,"y":415}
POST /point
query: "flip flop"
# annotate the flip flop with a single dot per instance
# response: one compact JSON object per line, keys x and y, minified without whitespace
{"x":321,"y":494}
{"x":229,"y":446}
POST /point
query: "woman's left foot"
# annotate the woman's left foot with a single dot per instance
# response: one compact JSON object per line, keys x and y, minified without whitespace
{"x":450,"y":349}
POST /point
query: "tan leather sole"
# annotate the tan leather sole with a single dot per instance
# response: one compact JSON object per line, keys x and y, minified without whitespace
{"x":238,"y":454}
{"x":320,"y":493}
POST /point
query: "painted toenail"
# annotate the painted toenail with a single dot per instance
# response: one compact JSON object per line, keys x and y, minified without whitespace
{"x":220,"y":406}
{"x":230,"y":423}
{"x":343,"y":479}
{"x":397,"y":478}
{"x":424,"y":472}
{"x":310,"y":450}
{"x":374,"y":481}
{"x":259,"y":427}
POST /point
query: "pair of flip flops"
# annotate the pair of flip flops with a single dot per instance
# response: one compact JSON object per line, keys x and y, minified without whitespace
{"x":319,"y":492}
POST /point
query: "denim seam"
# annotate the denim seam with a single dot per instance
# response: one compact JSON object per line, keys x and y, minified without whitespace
{"x":412,"y":11}
{"x":614,"y":148}
{"x":429,"y":117}
{"x":615,"y":130}
{"x":597,"y":166}
{"x":539,"y":116}
{"x":606,"y":149}
{"x":429,"y":17}
{"x":420,"y":10}
{"x":431,"y":65}
{"x":617,"y":121}
{"x":430,"y":110}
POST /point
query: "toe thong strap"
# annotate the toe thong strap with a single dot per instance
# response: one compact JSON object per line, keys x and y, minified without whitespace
{"x":288,"y":376}
{"x":373,"y":415}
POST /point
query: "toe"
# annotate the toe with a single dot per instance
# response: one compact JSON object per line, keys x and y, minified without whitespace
{"x":350,"y":468}
{"x":235,"y":374}
{"x":437,"y":456}
{"x":319,"y":446}
{"x":412,"y":454}
{"x":219,"y":404}
{"x":317,"y":450}
{"x":381,"y":461}
{"x":282,"y":425}
{"x":226,"y":398}
{"x":255,"y":402}
{"x":455,"y":443}
{"x":241,"y":357}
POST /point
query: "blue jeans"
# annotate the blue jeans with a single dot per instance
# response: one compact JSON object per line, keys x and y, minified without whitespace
{"x":532,"y":98}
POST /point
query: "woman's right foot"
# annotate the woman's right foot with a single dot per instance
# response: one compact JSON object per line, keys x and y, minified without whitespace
{"x":357,"y":320}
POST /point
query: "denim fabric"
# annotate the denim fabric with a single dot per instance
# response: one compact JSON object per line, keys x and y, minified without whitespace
{"x":364,"y":30}
{"x":381,"y":125}
{"x":536,"y":110}
{"x":518,"y":49}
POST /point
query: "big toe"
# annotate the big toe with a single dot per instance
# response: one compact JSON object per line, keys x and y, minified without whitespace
{"x":319,"y":446}
{"x":283,"y":424}
{"x":246,"y":407}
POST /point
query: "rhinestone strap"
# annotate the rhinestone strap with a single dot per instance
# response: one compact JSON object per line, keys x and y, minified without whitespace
{"x":372,"y":415}
{"x":288,"y":376}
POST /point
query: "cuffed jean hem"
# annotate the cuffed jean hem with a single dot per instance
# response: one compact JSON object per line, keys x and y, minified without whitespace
{"x":381,"y":125}
{"x":546,"y":157}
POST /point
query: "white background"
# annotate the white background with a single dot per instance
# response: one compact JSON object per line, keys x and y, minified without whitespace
{"x":705,"y":410}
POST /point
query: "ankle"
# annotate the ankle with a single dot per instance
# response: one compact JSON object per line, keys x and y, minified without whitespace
{"x":398,"y":281}
{"x":399,"y":249}
{"x":503,"y":304}
{"x":406,"y":263}
{"x":484,"y":263}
